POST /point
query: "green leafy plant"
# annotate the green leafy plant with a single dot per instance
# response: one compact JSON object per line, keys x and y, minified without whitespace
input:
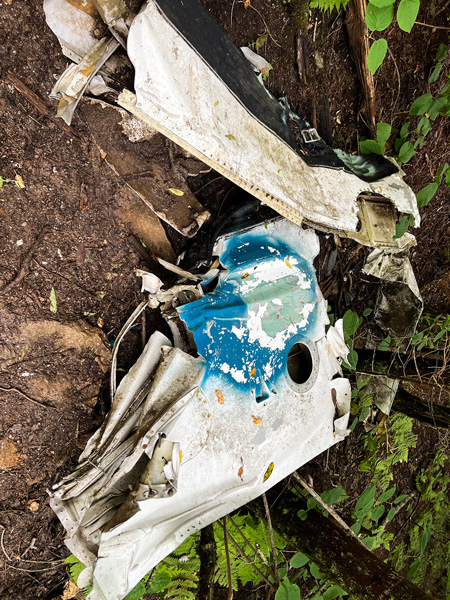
{"x":432,"y":332}
{"x":384,"y":454}
{"x":361,"y":401}
{"x":379,"y":146}
{"x":18,"y":181}
{"x":422,"y":559}
{"x":352,"y":322}
{"x":428,"y":108}
{"x":379,"y":15}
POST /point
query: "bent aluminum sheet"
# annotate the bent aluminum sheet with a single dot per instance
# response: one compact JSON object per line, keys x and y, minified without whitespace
{"x":196,"y":87}
{"x":205,"y":435}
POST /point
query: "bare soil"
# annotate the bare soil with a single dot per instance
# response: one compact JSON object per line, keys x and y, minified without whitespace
{"x":74,"y":229}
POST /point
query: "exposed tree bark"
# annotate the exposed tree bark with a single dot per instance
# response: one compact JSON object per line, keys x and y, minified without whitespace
{"x":409,"y":404}
{"x":208,"y":558}
{"x":339,"y":556}
{"x":414,"y":407}
{"x":359,"y":44}
{"x":420,"y":370}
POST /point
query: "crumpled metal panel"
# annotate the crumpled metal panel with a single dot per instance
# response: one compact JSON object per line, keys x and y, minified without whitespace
{"x":73,"y":22}
{"x":398,"y":305}
{"x":179,"y":94}
{"x":205,"y":435}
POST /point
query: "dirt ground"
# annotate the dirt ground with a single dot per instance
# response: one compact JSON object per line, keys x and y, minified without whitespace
{"x":71,"y":239}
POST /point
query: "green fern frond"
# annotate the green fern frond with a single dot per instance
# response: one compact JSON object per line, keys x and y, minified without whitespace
{"x":329,"y":5}
{"x":180,"y":594}
{"x":183,"y":583}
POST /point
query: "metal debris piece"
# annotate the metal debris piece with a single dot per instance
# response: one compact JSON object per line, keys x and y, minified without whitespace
{"x":258,"y":61}
{"x":117,"y":16}
{"x":74,"y":22}
{"x":190,"y":438}
{"x":72,"y":84}
{"x":382,"y":390}
{"x":398,"y":305}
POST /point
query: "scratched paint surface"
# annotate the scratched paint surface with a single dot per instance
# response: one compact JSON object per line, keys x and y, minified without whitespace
{"x":265,"y":301}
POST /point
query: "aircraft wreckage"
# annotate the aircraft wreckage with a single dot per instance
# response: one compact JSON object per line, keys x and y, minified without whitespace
{"x":249,"y":386}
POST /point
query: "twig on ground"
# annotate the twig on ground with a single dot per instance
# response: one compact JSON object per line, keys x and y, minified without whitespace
{"x":14,"y":389}
{"x":326,"y":506}
{"x":39,"y":104}
{"x":2,"y":544}
{"x":398,"y":77}
{"x":272,"y":539}
{"x":25,"y":267}
{"x":399,"y":506}
{"x":265,"y":24}
{"x":441,"y":9}
{"x":432,"y":26}
{"x":227,"y":553}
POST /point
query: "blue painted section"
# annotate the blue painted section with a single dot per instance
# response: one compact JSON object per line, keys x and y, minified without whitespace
{"x":265,"y":301}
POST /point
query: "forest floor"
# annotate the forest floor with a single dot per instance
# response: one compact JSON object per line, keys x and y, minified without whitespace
{"x":69,"y":234}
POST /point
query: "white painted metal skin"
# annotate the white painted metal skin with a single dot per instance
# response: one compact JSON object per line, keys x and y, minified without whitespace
{"x":180,"y":95}
{"x":232,"y":445}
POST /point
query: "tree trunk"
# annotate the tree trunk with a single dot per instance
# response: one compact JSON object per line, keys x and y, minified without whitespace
{"x":208,"y":556}
{"x":359,"y":44}
{"x":419,"y":370}
{"x":340,"y":557}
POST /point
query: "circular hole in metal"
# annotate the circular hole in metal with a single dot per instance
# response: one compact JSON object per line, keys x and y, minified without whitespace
{"x":299,"y":363}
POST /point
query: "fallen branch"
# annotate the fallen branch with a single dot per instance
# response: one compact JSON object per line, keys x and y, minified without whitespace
{"x":272,"y":540}
{"x":326,"y":506}
{"x":359,"y":44}
{"x":39,"y":104}
{"x":340,"y":556}
{"x":25,"y":267}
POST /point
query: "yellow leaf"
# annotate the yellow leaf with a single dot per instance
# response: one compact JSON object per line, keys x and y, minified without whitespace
{"x":253,"y":372}
{"x":19,"y":182}
{"x":288,"y":264}
{"x":176,"y":192}
{"x":230,"y":137}
{"x":268,"y":473}
{"x":256,"y":420}
{"x":245,"y":275}
{"x":216,"y":103}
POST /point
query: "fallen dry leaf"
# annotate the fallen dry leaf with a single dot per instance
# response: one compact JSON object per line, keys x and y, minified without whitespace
{"x":33,"y":505}
{"x":240,"y":473}
{"x":256,"y":420}
{"x":71,"y":591}
{"x":220,"y":398}
{"x":19,"y":182}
